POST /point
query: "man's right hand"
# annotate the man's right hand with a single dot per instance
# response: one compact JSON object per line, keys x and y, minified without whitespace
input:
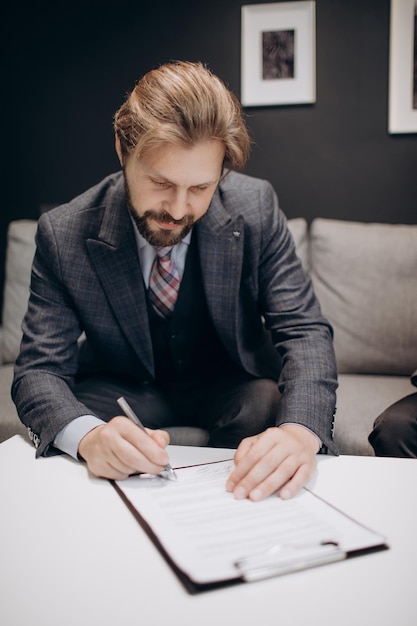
{"x":119,"y":448}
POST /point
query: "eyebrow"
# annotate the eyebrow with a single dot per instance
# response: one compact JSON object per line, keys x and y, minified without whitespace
{"x":155,"y":174}
{"x":166,"y":180}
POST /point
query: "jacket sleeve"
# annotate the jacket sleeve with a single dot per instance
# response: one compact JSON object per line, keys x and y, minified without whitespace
{"x":300,"y":333}
{"x":48,"y":356}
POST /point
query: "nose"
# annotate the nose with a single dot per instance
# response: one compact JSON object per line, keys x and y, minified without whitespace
{"x":178,"y":203}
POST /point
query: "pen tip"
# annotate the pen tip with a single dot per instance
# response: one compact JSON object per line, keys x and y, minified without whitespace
{"x":169,"y":473}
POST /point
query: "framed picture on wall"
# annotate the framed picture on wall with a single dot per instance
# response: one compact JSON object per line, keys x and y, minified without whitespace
{"x":402,"y":99}
{"x":278,"y":64}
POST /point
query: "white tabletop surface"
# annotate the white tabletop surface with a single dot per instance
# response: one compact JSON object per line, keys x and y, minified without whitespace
{"x":72,"y":553}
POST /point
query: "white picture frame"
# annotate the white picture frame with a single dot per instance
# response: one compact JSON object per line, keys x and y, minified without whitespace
{"x":278,"y":53}
{"x":402,"y":116}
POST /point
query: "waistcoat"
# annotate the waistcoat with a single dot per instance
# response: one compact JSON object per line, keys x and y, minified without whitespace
{"x":187,"y":347}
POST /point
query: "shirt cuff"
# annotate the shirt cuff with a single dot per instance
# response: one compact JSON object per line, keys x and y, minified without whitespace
{"x":68,"y":439}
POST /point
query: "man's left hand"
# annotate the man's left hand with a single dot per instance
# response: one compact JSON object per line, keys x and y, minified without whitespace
{"x":281,"y":459}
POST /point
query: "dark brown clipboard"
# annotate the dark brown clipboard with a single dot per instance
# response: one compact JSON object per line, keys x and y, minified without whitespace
{"x":194,"y":587}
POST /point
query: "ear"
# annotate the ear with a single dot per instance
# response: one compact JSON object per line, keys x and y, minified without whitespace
{"x":118,"y":149}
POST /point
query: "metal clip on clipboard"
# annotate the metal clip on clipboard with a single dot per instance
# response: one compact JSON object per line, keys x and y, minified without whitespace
{"x":281,"y":559}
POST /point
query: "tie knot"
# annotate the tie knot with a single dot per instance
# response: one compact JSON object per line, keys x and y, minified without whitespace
{"x":164,"y":252}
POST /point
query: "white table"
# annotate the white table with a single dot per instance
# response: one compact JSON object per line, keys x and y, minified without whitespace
{"x":72,"y":553}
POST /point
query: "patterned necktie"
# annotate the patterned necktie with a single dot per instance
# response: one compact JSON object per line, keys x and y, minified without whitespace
{"x":164,"y":282}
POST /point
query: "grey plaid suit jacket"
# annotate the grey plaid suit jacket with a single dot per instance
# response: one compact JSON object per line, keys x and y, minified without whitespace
{"x":86,"y":277}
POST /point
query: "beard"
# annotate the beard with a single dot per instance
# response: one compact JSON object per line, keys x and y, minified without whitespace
{"x":161,"y":237}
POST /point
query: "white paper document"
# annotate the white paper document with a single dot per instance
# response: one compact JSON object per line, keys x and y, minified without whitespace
{"x":210,"y":536}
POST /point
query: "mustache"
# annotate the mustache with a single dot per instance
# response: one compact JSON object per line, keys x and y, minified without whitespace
{"x":164,"y":217}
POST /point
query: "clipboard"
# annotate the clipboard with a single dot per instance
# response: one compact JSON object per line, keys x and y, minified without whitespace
{"x":188,"y":521}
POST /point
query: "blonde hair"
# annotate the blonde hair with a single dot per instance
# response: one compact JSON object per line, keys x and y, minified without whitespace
{"x":182,"y":103}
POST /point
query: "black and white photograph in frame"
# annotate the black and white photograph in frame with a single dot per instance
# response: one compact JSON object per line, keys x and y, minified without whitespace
{"x":402,"y":97}
{"x":415,"y":58}
{"x":278,"y":52}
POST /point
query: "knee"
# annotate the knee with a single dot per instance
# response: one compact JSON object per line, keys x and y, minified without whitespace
{"x":264,"y":398}
{"x":395,"y":430}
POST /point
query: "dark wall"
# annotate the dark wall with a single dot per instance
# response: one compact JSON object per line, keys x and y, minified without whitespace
{"x":66,"y":69}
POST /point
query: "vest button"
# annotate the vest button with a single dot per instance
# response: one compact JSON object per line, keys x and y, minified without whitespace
{"x":173,"y":335}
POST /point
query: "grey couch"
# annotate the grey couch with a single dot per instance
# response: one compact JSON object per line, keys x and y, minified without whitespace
{"x":365,"y":276}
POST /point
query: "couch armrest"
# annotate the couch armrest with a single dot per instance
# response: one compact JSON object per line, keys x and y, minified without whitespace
{"x":1,"y":345}
{"x":19,"y":256}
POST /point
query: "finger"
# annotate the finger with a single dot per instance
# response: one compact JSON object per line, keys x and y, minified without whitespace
{"x":103,"y":463}
{"x":115,"y":463}
{"x":161,"y":437}
{"x":288,"y":479}
{"x":243,"y":448}
{"x":140,"y":453}
{"x":144,"y":441}
{"x":265,"y":476}
{"x":298,"y":480}
{"x":273,"y":482}
{"x":254,"y":450}
{"x":102,"y":469}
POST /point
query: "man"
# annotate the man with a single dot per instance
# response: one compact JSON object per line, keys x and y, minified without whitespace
{"x":395,"y":430}
{"x":238,"y":314}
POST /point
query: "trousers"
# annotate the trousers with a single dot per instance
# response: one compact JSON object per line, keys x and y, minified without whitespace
{"x":230,"y":409}
{"x":395,"y":430}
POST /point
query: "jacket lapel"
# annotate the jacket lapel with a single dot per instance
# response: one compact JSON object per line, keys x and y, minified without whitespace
{"x":220,"y":242}
{"x":115,"y":257}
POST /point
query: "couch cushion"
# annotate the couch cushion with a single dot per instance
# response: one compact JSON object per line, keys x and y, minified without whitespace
{"x":19,"y":256}
{"x":365,"y":276}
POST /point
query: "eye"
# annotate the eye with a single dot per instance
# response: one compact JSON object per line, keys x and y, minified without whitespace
{"x":161,"y":184}
{"x":199,"y":188}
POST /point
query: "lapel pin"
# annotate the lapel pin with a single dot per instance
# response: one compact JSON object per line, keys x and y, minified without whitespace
{"x":236,"y":233}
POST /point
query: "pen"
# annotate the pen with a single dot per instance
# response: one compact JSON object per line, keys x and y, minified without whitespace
{"x":167,"y":472}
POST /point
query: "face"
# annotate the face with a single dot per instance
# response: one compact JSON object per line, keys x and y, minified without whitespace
{"x":170,"y":188}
